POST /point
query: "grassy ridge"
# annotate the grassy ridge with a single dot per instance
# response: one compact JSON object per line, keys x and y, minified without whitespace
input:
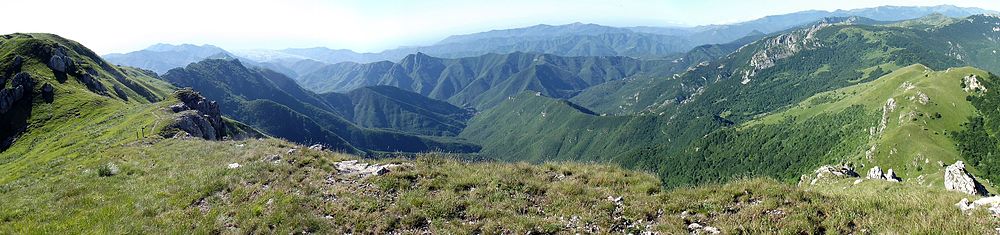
{"x":171,"y":185}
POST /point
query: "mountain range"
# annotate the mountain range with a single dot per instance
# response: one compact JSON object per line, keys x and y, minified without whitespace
{"x":575,"y":39}
{"x":766,"y":126}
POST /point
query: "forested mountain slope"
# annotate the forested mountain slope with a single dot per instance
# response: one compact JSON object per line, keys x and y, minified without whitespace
{"x":483,"y":81}
{"x":275,"y":104}
{"x":758,"y":79}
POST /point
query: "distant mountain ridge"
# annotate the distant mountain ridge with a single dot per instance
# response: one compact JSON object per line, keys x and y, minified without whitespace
{"x":162,"y":57}
{"x":275,"y":104}
{"x":484,"y":81}
{"x":577,"y":39}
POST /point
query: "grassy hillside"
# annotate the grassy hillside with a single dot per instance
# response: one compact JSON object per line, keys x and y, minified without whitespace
{"x":89,"y":162}
{"x":762,"y":78}
{"x":856,"y":124}
{"x":172,"y":185}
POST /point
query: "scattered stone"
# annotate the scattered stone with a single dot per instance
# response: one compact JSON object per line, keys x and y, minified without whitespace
{"x":182,"y":135}
{"x":923,"y":98}
{"x":317,"y":147}
{"x":353,"y":167}
{"x":964,"y":205}
{"x":274,"y":158}
{"x":696,"y":228}
{"x":234,"y":165}
{"x":290,"y":151}
{"x":827,"y":172}
{"x":957,"y":179}
{"x":992,"y":204}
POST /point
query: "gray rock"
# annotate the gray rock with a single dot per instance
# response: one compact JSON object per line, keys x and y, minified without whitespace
{"x":958,"y":180}
{"x":875,"y":173}
{"x":891,"y":176}
{"x":195,"y":125}
{"x":317,"y":147}
{"x":92,"y":84}
{"x":48,"y":89}
{"x":964,"y":205}
{"x":6,"y":99}
{"x":17,"y":61}
{"x":838,"y":171}
{"x":59,"y":61}
{"x":198,"y":116}
{"x":353,"y":167}
{"x":22,"y":78}
{"x":21,"y":85}
{"x":828,"y":172}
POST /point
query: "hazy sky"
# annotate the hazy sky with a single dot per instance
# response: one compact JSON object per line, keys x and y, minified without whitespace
{"x":368,"y":25}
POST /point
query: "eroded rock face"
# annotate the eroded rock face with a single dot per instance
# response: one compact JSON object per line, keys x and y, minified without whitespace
{"x":829,"y":172}
{"x":59,"y":61}
{"x":21,"y":85}
{"x":972,"y":84}
{"x":958,"y":180}
{"x":198,"y":116}
{"x":875,"y":173}
{"x":891,"y":176}
{"x":89,"y":79}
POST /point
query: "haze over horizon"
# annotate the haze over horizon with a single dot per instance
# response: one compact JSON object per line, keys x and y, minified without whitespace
{"x":367,"y":26}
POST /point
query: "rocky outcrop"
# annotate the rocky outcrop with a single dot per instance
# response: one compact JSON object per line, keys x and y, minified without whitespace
{"x":197,"y":116}
{"x":353,"y":167}
{"x":90,"y":80}
{"x":829,"y":172}
{"x":992,"y":204}
{"x":20,"y":87}
{"x":891,"y":176}
{"x":317,"y":147}
{"x":876,"y":174}
{"x":971,"y":84}
{"x":59,"y":61}
{"x":958,"y":180}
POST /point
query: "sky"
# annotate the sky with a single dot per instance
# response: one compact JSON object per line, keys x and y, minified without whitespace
{"x":116,"y":26}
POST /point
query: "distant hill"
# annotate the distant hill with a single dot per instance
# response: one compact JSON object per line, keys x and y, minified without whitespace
{"x":276,"y":105}
{"x":389,"y":107}
{"x":162,"y":57}
{"x":711,"y":34}
{"x":484,"y":81}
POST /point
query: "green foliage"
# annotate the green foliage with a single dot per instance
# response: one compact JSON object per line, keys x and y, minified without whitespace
{"x":979,"y":141}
